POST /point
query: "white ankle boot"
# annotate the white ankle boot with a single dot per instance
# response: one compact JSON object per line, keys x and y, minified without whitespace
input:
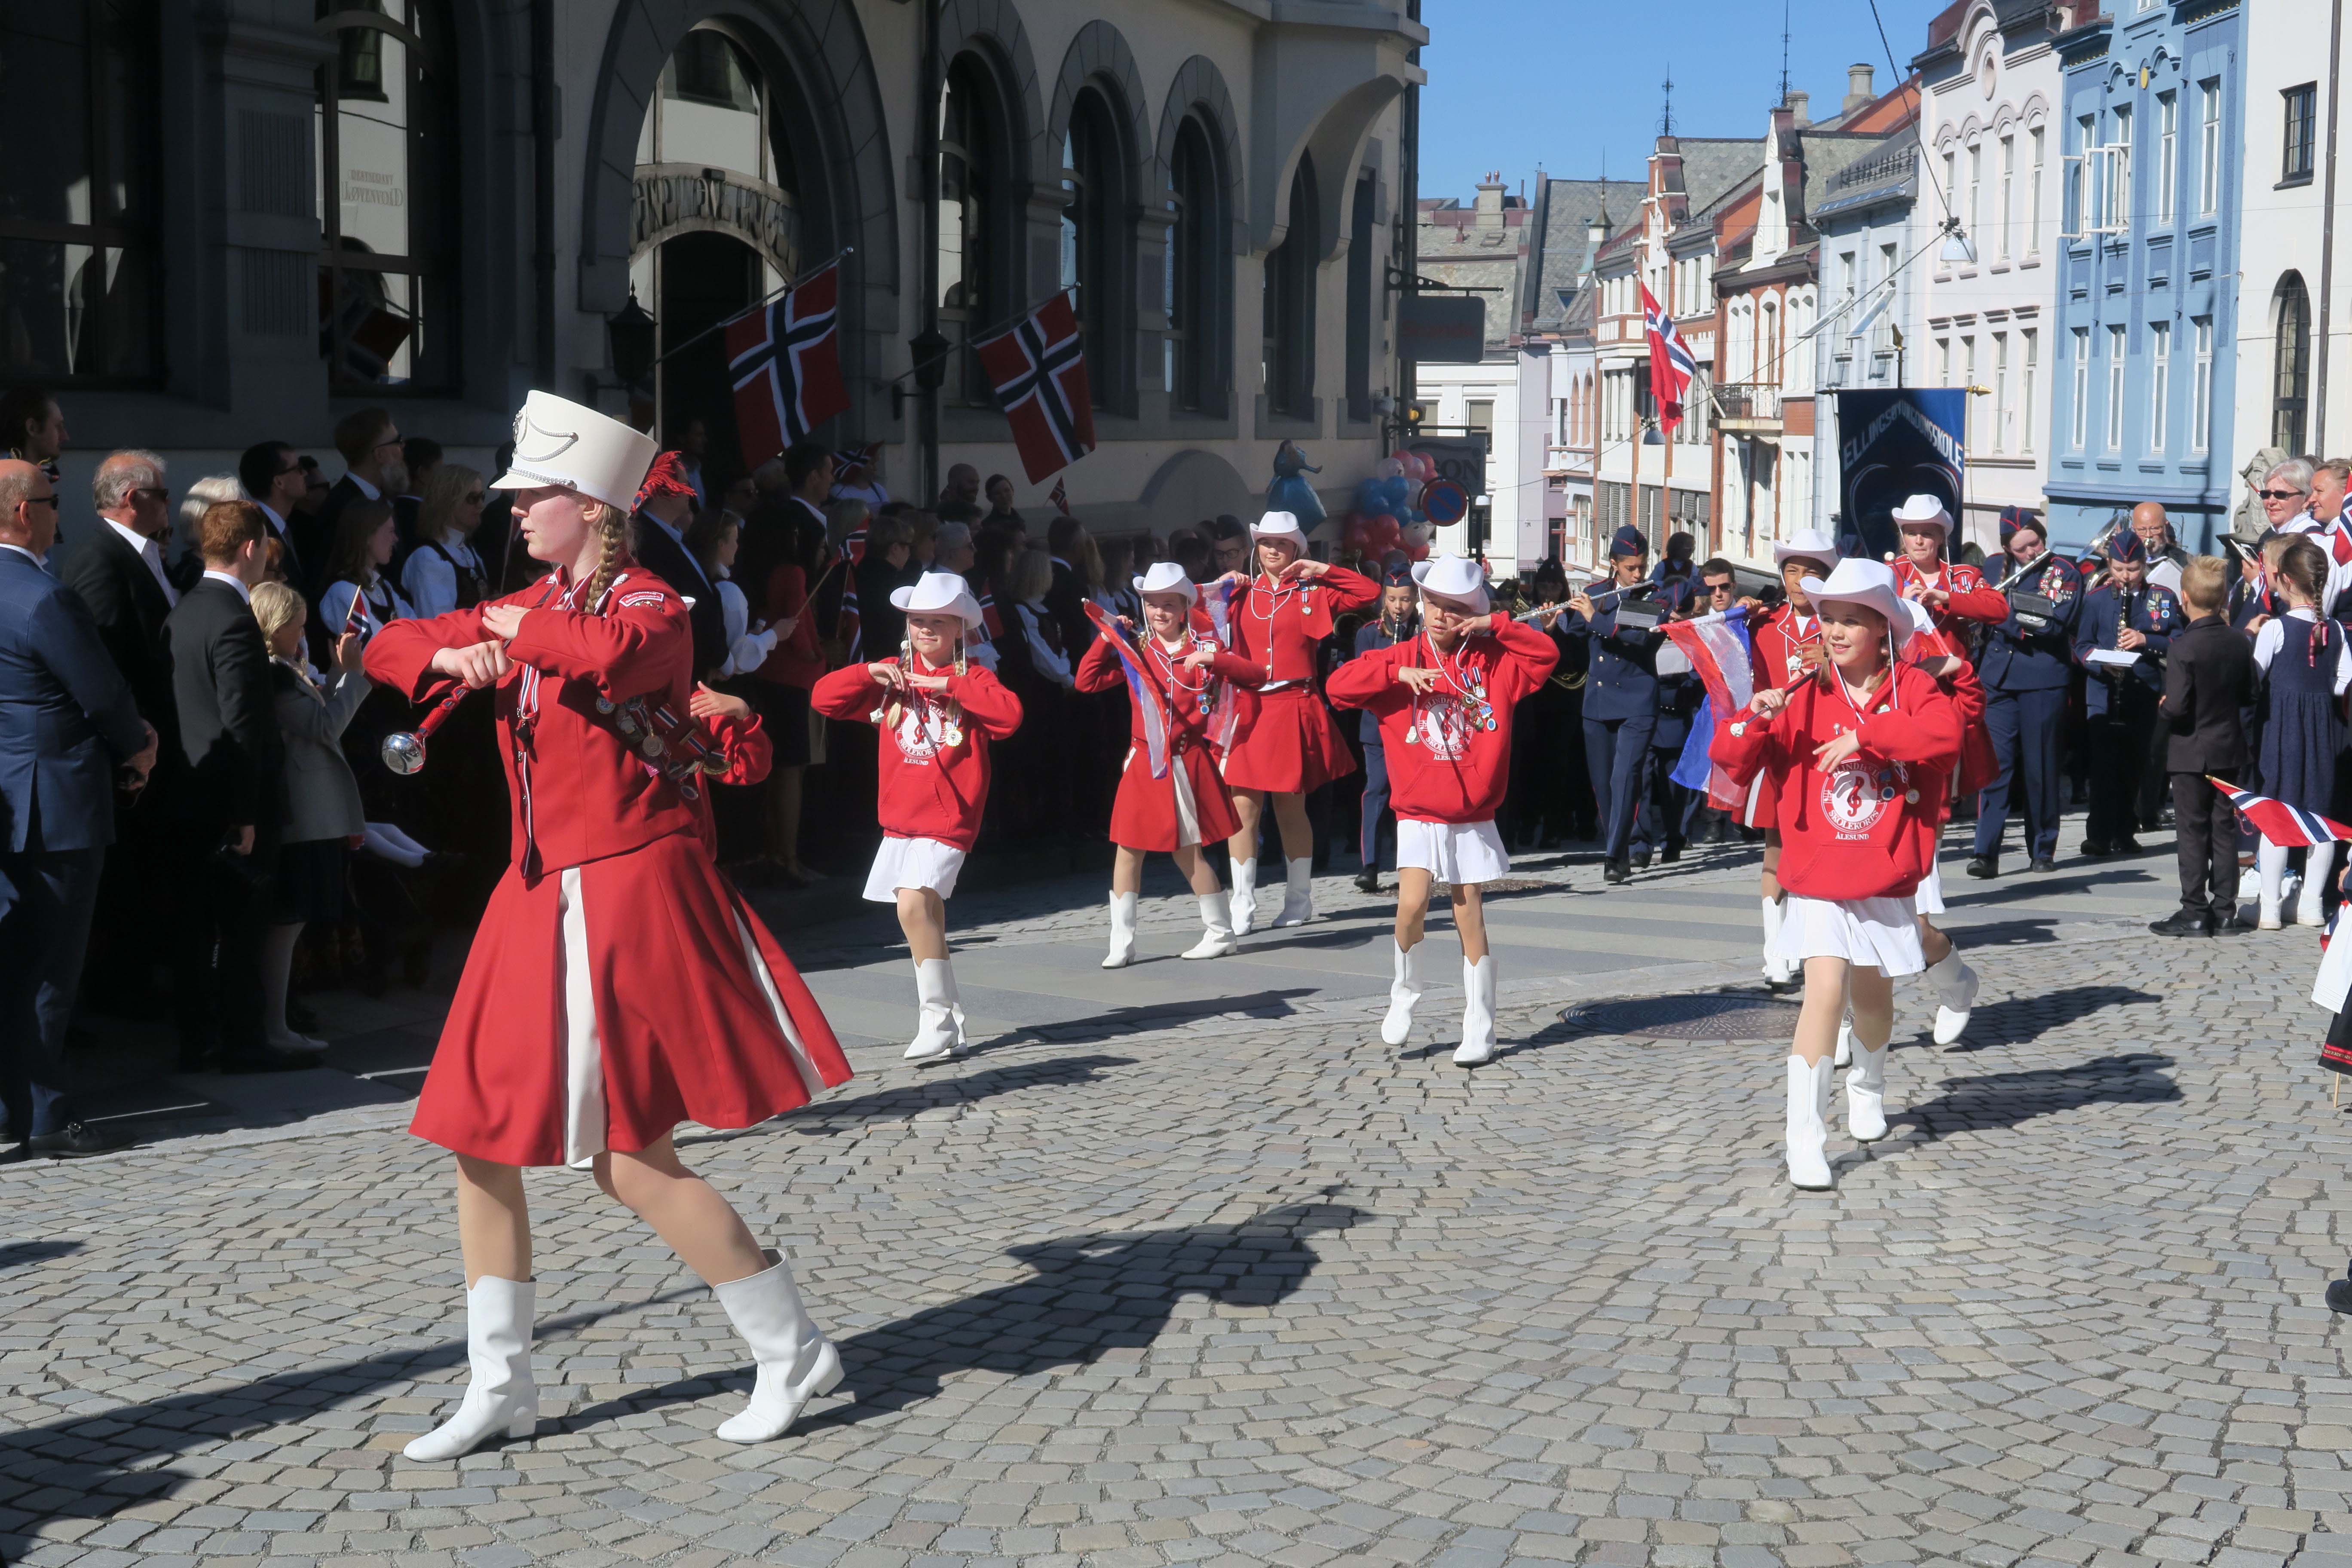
{"x":1122,"y":932}
{"x":941,"y":1033}
{"x":1777,"y":971}
{"x":1216,"y":935}
{"x":1808,"y":1135}
{"x":501,"y":1402}
{"x":2320,"y":859}
{"x":1244,"y":899}
{"x":1405,"y":991}
{"x":795,"y":1361}
{"x":1956,"y":996}
{"x":1477,"y":1044}
{"x":1297,"y":893}
{"x":1865,"y":1095}
{"x":1844,"y":1056}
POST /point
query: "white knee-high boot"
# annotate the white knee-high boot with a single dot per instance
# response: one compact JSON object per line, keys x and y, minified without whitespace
{"x":1297,"y":893}
{"x":2317,"y":861}
{"x":502,"y":1401}
{"x":1216,"y":934}
{"x":941,"y":1033}
{"x":1956,"y":994}
{"x":1122,"y":932}
{"x":1477,"y":1044}
{"x":1404,"y":992}
{"x":1845,"y":1053}
{"x":2270,"y":859}
{"x":1244,"y":903}
{"x":1808,"y":1136}
{"x":795,"y":1361}
{"x":1865,"y":1095}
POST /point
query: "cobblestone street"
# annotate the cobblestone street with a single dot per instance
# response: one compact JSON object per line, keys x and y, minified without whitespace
{"x":1250,"y":1288}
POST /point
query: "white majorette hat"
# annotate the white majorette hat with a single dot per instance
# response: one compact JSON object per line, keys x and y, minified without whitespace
{"x":1167,"y":577}
{"x":1870,"y":583}
{"x":1279,"y":525}
{"x":939,"y":594}
{"x":1809,"y":543}
{"x":1924,"y":509}
{"x":1456,"y":578}
{"x":559,"y":442}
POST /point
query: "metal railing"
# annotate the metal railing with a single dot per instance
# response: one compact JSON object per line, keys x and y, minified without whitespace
{"x":1871,"y":171}
{"x":1748,"y":402}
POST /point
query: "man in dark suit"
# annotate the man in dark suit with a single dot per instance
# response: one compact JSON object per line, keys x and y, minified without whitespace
{"x":1066,"y":599}
{"x":2208,"y":681}
{"x":275,"y":478}
{"x":371,"y":444}
{"x":66,"y":724}
{"x":665,"y":505}
{"x":232,"y":803}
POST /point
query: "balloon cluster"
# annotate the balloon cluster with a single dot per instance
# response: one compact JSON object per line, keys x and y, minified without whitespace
{"x":1388,"y":515}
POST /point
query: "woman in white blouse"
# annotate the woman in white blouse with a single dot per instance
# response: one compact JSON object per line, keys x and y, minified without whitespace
{"x":364,"y":541}
{"x":1027,"y":580}
{"x":443,"y":573}
{"x":713,"y":540}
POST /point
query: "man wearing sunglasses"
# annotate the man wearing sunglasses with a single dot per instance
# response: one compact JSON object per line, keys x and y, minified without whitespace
{"x":274,"y":477}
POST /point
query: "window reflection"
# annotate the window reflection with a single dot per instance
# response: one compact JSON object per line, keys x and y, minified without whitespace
{"x":971,"y":213}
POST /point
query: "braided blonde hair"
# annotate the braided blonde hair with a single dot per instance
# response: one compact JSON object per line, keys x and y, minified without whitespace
{"x":611,"y":525}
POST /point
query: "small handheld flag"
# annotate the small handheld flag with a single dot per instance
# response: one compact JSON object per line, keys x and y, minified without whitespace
{"x":1149,"y":703}
{"x":2289,"y":826}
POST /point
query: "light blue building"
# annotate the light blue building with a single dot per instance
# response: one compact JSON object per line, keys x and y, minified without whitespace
{"x":2147,"y":297}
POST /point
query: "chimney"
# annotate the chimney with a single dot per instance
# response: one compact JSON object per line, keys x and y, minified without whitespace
{"x":1859,"y":90}
{"x":1800,"y":104}
{"x":1487,"y":217}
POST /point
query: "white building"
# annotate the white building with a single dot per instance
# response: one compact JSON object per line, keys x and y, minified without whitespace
{"x":1870,"y":221}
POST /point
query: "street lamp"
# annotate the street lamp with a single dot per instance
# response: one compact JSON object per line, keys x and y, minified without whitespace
{"x":629,"y":338}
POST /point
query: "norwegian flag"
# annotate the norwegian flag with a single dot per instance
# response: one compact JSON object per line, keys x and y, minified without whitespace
{"x":1151,"y":704}
{"x":852,"y":548}
{"x":990,"y":620}
{"x":852,"y":464}
{"x":1060,"y":496}
{"x":1716,"y":646}
{"x":2288,"y":827}
{"x":849,"y":624}
{"x":1038,"y":370}
{"x":784,"y":361}
{"x":1671,"y":365}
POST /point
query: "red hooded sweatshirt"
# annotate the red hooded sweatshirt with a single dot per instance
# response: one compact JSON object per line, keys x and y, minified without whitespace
{"x":934,"y":762}
{"x":1866,"y":829}
{"x":1449,"y":751}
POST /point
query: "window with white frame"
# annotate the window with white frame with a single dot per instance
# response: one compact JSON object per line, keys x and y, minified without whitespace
{"x":2159,"y":382}
{"x":2168,"y":157}
{"x":1943,"y":361}
{"x":2033,"y":140}
{"x":2118,"y":352}
{"x":2208,"y":147}
{"x":2001,"y":413}
{"x":2077,"y":218}
{"x":1951,"y":191}
{"x":1968,"y":421}
{"x":1976,"y":191}
{"x":2116,"y":174}
{"x":2008,"y":191}
{"x":2081,"y":432}
{"x":2200,"y":385}
{"x":2028,"y":390}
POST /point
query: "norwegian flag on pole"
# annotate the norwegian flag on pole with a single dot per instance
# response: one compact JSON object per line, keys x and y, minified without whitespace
{"x":784,"y":360}
{"x":1038,"y":370}
{"x":1151,"y":704}
{"x":2288,"y":827}
{"x":1060,"y":496}
{"x":1716,"y":646}
{"x":1671,"y":365}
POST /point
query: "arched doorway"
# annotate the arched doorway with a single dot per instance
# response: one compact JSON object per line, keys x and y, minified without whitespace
{"x":715,"y":228}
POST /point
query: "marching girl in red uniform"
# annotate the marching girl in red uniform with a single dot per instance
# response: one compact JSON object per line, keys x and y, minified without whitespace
{"x":616,"y":986}
{"x":1285,"y":742}
{"x":1954,"y":983}
{"x":939,"y":715}
{"x":1860,"y":755}
{"x":1180,"y":687}
{"x":1784,"y":647}
{"x":1443,"y":700}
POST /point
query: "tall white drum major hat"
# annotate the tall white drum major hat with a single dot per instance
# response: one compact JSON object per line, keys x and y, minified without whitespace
{"x":1167,"y":577}
{"x":939,"y":594}
{"x":1279,"y":525}
{"x":1925,"y":510}
{"x":563,"y":443}
{"x":1808,"y":544}
{"x":1455,"y":579}
{"x":1870,"y":583}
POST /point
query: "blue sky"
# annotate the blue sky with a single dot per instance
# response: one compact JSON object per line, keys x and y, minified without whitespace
{"x":1514,"y":83}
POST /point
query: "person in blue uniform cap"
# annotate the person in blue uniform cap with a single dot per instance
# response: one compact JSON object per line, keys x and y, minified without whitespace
{"x":2026,"y":666}
{"x":2125,"y":627}
{"x":1620,"y":692}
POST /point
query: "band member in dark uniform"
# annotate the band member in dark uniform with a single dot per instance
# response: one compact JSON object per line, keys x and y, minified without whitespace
{"x":2126,"y":624}
{"x":1621,"y":693}
{"x":2026,"y":666}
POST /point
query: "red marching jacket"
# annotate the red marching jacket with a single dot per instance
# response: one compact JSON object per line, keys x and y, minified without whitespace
{"x":605,"y":797}
{"x":1276,"y":626}
{"x":1778,"y":646}
{"x":1449,"y":751}
{"x":1867,"y":828}
{"x":1972,"y":599}
{"x":934,"y":762}
{"x":1190,"y":802}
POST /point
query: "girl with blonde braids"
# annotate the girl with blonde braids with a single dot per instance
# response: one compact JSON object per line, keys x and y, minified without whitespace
{"x":617,"y":985}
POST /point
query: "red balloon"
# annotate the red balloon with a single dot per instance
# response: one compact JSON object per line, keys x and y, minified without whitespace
{"x":1382,"y":533}
{"x":1416,"y":551}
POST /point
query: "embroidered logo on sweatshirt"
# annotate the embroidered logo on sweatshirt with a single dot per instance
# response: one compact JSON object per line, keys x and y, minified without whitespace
{"x":1856,"y":796}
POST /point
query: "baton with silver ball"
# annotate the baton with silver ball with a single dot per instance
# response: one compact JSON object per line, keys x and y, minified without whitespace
{"x":404,"y":753}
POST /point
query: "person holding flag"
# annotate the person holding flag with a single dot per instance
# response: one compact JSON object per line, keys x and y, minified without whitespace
{"x":1180,"y":682}
{"x":1285,"y":740}
{"x":1785,"y":647}
{"x":1444,"y":699}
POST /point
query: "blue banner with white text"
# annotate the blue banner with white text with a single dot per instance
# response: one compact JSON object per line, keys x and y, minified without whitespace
{"x":1893,"y":444}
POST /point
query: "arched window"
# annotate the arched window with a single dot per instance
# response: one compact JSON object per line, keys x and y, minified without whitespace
{"x":1093,"y":247}
{"x":388,"y":191}
{"x":975,"y":220}
{"x":2291,"y":376}
{"x":78,"y":278}
{"x":1290,"y":305}
{"x":1197,"y":273}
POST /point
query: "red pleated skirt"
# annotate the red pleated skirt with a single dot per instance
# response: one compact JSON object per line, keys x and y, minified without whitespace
{"x":604,"y":1004}
{"x":1191,"y":805}
{"x":1285,"y":741}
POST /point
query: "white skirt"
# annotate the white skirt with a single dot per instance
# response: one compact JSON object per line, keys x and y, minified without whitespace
{"x":1930,"y":899}
{"x":1879,"y":932}
{"x":913,"y":863}
{"x":1458,"y":854}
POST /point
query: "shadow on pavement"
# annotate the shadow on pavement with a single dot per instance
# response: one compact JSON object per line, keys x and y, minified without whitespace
{"x":1145,"y":1018}
{"x":2015,"y":1020}
{"x":828,"y":1117}
{"x":2006,"y":1098}
{"x":23,"y":1254}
